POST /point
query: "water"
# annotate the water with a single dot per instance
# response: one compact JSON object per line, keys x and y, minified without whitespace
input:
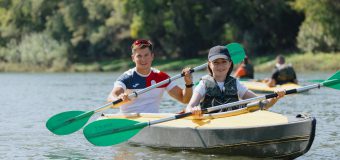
{"x":27,"y":100}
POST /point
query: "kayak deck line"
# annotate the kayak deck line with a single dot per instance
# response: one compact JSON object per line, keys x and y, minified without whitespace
{"x":250,"y":119}
{"x":251,"y":107}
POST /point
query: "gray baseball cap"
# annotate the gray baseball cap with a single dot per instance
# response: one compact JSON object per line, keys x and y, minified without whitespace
{"x":218,"y":52}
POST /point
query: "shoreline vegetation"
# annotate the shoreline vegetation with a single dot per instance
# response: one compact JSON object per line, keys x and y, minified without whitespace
{"x":300,"y":61}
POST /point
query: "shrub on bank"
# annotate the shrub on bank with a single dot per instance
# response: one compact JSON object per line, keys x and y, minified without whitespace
{"x":306,"y":62}
{"x":36,"y":50}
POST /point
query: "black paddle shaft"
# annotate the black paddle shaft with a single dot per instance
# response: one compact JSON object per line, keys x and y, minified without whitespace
{"x":291,"y":91}
{"x":188,"y":114}
{"x":297,"y":90}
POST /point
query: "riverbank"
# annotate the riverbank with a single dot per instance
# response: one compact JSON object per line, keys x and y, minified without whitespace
{"x":301,"y":62}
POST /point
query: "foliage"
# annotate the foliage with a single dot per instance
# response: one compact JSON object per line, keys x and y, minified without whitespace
{"x":260,"y":26}
{"x":305,"y":62}
{"x":91,"y":31}
{"x":37,"y":49}
{"x":320,"y":30}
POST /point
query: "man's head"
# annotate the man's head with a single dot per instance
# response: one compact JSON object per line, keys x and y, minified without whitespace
{"x":142,"y":55}
{"x":141,"y":44}
{"x":280,"y":59}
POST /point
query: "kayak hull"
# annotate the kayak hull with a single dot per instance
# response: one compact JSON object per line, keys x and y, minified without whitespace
{"x":285,"y":137}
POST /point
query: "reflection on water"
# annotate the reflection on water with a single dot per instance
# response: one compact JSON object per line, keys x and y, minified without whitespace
{"x":28,"y":100}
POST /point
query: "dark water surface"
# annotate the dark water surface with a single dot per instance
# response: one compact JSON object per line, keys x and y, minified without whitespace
{"x":27,"y":100}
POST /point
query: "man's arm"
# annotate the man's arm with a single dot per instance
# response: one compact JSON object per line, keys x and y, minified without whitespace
{"x":118,"y":93}
{"x":239,"y":72}
{"x":114,"y":94}
{"x":295,"y":77}
{"x":185,"y":94}
{"x":182,"y":95}
{"x":272,"y":81}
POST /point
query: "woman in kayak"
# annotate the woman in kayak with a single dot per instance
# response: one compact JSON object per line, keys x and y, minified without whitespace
{"x":219,"y":87}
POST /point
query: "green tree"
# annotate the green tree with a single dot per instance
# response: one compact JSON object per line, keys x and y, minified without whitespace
{"x":320,"y":30}
{"x":261,"y":25}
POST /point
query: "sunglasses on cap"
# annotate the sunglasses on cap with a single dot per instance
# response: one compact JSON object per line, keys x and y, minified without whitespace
{"x":141,"y":43}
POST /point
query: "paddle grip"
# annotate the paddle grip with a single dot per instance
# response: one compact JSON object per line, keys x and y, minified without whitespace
{"x":117,"y":101}
{"x":275,"y":94}
{"x":189,"y":113}
{"x":291,"y":91}
{"x":271,"y":95}
{"x":183,"y":115}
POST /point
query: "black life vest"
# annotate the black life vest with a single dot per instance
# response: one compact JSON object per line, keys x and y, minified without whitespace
{"x":286,"y":74}
{"x":214,"y":96}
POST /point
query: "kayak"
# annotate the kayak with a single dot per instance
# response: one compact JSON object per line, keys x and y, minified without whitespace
{"x":241,"y":132}
{"x":264,"y":88}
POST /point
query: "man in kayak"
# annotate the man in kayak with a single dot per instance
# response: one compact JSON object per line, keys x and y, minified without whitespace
{"x":245,"y":70}
{"x":142,"y":76}
{"x":219,"y":87}
{"x":282,"y":74}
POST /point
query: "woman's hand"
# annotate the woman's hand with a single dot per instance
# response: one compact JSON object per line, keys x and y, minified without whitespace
{"x":280,"y":93}
{"x":196,"y":111}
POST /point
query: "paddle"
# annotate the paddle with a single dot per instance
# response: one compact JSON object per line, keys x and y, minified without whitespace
{"x":108,"y":132}
{"x":71,"y":121}
{"x":68,"y":122}
{"x":262,"y":80}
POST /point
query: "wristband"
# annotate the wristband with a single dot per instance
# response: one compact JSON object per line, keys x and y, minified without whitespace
{"x":189,"y":85}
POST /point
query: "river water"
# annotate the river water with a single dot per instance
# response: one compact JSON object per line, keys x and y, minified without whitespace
{"x":27,"y":100}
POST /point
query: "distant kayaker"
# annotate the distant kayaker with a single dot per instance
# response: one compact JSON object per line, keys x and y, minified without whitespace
{"x":219,"y":87}
{"x":282,"y":73}
{"x":142,"y":76}
{"x":245,"y":70}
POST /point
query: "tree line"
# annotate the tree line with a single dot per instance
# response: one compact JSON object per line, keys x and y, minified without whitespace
{"x":59,"y":32}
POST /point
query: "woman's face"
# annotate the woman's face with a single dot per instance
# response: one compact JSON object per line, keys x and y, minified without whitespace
{"x":220,"y":67}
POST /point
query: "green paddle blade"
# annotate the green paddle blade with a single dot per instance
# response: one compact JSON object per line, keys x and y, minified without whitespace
{"x":109,"y":132}
{"x":68,"y":122}
{"x":333,"y":81}
{"x":236,"y":52}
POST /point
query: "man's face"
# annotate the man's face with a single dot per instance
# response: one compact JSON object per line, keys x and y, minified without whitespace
{"x":143,"y":58}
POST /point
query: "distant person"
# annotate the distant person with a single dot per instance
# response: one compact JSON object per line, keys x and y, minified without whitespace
{"x":245,"y":70}
{"x":142,"y":76}
{"x":282,"y":74}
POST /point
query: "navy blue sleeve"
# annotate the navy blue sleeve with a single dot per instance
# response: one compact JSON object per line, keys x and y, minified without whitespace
{"x":124,"y":78}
